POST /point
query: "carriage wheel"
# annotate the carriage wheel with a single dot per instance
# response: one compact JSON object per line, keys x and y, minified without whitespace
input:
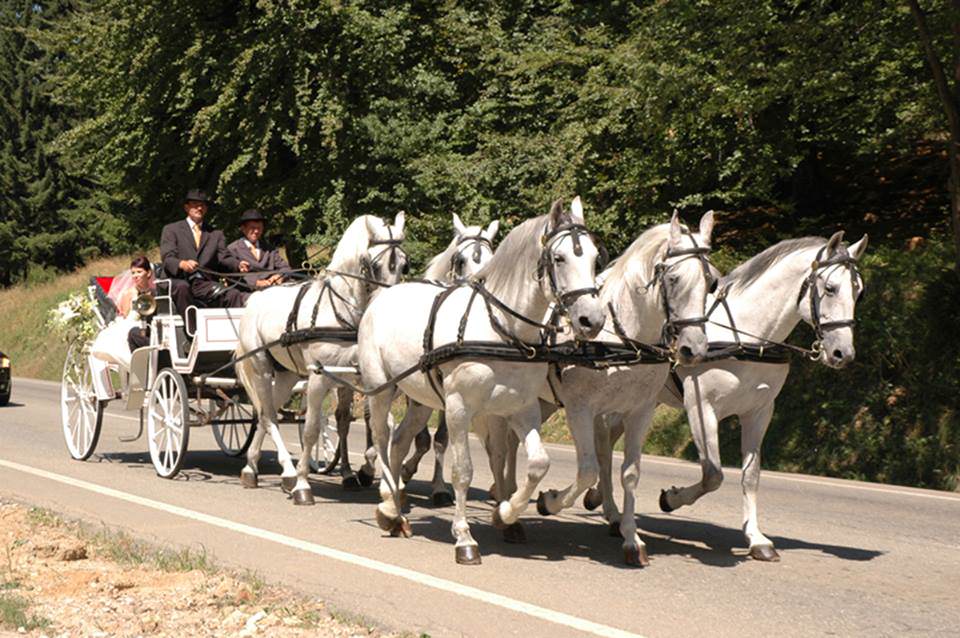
{"x":80,"y":412}
{"x":168,"y":422}
{"x":234,"y":436}
{"x":326,"y":447}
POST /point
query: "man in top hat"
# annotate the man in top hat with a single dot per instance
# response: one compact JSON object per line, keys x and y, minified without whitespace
{"x":254,"y":255}
{"x":190,"y":247}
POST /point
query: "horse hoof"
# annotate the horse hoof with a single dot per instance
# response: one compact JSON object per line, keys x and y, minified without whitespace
{"x":303,"y":497}
{"x":249,"y":480}
{"x":366,"y":480}
{"x":350,"y":482}
{"x":542,"y":505}
{"x":636,"y":556}
{"x":287,"y":483}
{"x":401,"y":528}
{"x":442,"y":499}
{"x":468,"y":555}
{"x":765,"y":553}
{"x":613,"y":530}
{"x":384,"y":522}
{"x":664,"y":503}
{"x":514,"y":534}
{"x":592,"y":499}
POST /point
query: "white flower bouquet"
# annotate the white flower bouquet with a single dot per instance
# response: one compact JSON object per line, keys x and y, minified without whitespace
{"x":74,"y":319}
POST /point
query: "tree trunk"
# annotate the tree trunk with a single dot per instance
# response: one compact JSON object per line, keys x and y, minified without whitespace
{"x":949,"y":100}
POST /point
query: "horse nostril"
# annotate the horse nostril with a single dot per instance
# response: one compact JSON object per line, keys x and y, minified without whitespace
{"x":686,"y":352}
{"x":837,"y":354}
{"x":585,"y":322}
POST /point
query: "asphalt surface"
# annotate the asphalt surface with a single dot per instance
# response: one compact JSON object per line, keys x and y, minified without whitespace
{"x":857,"y":558}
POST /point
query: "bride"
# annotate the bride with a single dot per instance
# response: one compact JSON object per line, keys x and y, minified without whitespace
{"x":114,"y":343}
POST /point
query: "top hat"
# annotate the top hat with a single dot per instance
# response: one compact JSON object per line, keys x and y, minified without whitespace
{"x":197,"y":195}
{"x":252,"y":215}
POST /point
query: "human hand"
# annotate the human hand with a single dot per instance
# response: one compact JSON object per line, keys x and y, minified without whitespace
{"x":188,"y":265}
{"x":244,"y":266}
{"x":263,"y":283}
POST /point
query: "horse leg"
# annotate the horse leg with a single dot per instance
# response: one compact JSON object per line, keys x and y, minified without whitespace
{"x":580,"y":421}
{"x":635,"y":427}
{"x":283,"y":383}
{"x":753,"y":426}
{"x":466,"y":550}
{"x":344,"y":413}
{"x":413,"y":422}
{"x":440,"y":493}
{"x":704,"y":426}
{"x":608,"y":432}
{"x":526,"y":424}
{"x":368,"y":471}
{"x":495,"y":443}
{"x":257,"y":379}
{"x":389,"y":517}
{"x":317,"y":388}
{"x":421,"y":446}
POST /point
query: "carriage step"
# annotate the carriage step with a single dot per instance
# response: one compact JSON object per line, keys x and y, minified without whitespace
{"x":217,"y":382}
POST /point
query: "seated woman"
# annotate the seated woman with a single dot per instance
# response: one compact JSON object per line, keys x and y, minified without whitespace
{"x":116,"y":342}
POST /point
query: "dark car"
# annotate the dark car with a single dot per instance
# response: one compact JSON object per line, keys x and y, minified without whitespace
{"x":5,"y":384}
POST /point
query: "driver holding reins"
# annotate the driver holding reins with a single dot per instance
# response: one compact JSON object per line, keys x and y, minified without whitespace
{"x":191,"y":251}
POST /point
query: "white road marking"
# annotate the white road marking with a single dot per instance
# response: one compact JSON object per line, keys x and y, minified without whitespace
{"x":490,"y":598}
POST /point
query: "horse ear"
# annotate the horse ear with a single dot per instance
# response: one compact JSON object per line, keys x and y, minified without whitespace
{"x":399,"y":221}
{"x":576,"y":208}
{"x":706,"y":227}
{"x":675,"y":231}
{"x":857,"y":249}
{"x":556,"y":213}
{"x":458,"y":226}
{"x":834,"y":242}
{"x":492,"y":229}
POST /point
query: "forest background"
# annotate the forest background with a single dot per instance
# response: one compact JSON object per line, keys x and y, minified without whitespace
{"x":789,"y":117}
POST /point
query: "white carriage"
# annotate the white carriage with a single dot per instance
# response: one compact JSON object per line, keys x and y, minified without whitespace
{"x":183,"y":379}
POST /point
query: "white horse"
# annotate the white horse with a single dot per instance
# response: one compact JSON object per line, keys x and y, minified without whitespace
{"x":469,"y":250}
{"x":656,"y":289}
{"x":547,"y":259}
{"x":368,"y":255}
{"x":808,"y":279}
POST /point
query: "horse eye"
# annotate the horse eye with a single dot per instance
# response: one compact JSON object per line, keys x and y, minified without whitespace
{"x":830,"y":289}
{"x":559,"y":259}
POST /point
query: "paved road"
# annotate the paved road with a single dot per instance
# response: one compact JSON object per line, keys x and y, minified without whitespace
{"x":857,"y":558}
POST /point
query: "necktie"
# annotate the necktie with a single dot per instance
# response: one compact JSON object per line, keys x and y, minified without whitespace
{"x":196,"y":235}
{"x":256,"y":253}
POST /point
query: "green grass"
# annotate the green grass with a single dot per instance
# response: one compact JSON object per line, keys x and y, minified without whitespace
{"x":669,"y":434}
{"x":14,"y":613}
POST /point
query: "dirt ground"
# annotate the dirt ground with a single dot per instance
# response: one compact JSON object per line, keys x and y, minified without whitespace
{"x":60,"y":579}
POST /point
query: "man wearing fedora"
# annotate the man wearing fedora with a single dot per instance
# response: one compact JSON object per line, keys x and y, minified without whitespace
{"x":191,"y":250}
{"x":254,"y":255}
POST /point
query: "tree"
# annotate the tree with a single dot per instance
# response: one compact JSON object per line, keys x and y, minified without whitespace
{"x":949,"y":99}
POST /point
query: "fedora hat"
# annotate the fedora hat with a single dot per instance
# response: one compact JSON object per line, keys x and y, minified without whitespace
{"x":197,"y":195}
{"x":252,"y":215}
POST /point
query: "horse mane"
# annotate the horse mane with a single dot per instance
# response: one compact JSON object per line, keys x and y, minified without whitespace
{"x":514,"y":264}
{"x":752,"y":269}
{"x":352,"y":247}
{"x":640,"y":258}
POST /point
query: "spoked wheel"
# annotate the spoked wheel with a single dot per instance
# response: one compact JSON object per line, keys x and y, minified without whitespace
{"x":168,"y":422}
{"x":326,"y":448}
{"x":81,"y":412}
{"x":234,"y":429}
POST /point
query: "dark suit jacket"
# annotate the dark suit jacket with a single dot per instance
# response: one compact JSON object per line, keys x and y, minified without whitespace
{"x":176,"y":244}
{"x":270,"y":259}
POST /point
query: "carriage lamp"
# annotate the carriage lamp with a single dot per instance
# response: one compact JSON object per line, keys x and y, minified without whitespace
{"x":4,"y":362}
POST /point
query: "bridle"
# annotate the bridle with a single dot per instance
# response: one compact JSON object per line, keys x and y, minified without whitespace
{"x":393,"y":251}
{"x":809,"y":288}
{"x":548,"y":263}
{"x":672,"y":325}
{"x":459,"y":261}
